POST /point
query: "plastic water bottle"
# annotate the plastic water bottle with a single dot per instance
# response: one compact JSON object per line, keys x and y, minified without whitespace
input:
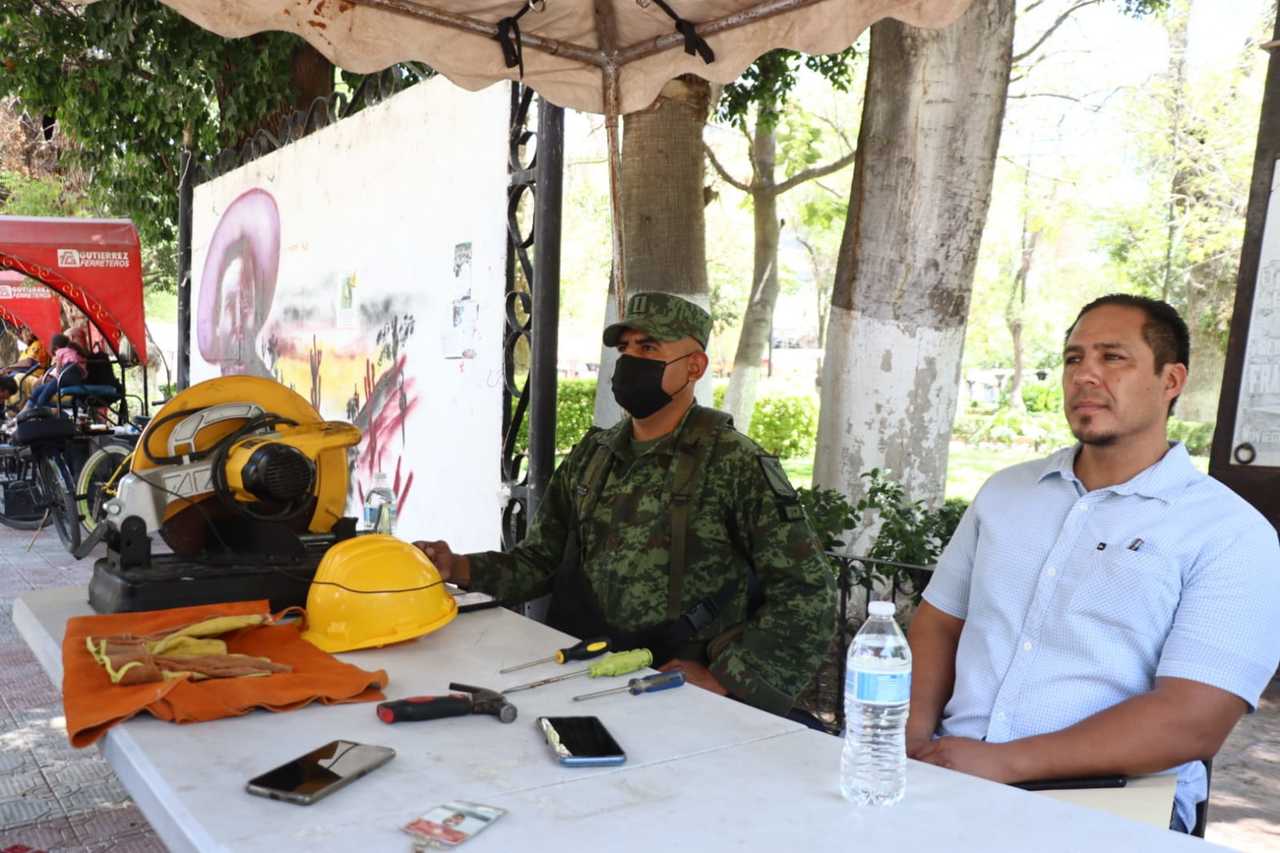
{"x":380,"y":506}
{"x":877,"y":693}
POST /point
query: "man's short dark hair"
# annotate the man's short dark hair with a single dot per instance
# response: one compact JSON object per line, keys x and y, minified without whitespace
{"x":1164,"y":330}
{"x":59,"y":341}
{"x":8,"y":386}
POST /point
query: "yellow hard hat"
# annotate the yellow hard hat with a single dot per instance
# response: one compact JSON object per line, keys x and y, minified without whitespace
{"x":345,"y":610}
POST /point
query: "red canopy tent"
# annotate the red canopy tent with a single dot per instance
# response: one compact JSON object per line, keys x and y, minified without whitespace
{"x":96,"y":264}
{"x":25,"y":304}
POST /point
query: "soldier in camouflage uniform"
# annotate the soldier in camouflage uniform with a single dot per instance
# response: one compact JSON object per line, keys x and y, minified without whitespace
{"x":672,"y":530}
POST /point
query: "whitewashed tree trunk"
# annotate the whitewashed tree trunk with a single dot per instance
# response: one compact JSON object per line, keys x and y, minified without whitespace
{"x":921,"y":188}
{"x":662,"y":210}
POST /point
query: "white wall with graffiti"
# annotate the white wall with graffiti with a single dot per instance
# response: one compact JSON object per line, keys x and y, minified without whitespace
{"x":363,"y":267}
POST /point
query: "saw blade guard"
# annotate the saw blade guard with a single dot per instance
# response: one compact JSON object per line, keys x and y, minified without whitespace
{"x":244,"y":439}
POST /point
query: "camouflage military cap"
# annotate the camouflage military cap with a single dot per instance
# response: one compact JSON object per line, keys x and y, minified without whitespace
{"x":664,"y":316}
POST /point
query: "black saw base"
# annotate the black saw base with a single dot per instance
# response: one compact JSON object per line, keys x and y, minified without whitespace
{"x":130,"y":578}
{"x":182,"y":583}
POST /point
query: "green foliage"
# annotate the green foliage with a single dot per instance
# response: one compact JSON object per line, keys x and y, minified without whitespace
{"x":1042,"y":397}
{"x":830,"y":515}
{"x":1006,"y":428}
{"x":575,"y":410}
{"x":1196,"y":435}
{"x":787,"y":427}
{"x":127,"y":80}
{"x":24,"y":196}
{"x":768,"y":82}
{"x":910,"y":531}
{"x":575,"y":413}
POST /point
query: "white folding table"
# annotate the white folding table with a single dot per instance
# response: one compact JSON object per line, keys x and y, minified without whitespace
{"x":703,"y":772}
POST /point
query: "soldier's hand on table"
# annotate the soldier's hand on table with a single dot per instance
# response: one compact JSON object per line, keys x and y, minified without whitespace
{"x":975,"y":757}
{"x":696,"y":673}
{"x":452,"y":567}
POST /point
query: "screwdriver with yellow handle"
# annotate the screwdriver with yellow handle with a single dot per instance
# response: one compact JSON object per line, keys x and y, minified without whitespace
{"x":585,"y":650}
{"x":636,"y":686}
{"x":617,"y":663}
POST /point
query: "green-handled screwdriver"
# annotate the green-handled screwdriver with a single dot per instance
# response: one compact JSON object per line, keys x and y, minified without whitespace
{"x":585,"y":650}
{"x":617,"y":663}
{"x":636,"y":686}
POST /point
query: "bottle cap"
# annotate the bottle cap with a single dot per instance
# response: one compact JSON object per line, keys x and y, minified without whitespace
{"x":881,"y":608}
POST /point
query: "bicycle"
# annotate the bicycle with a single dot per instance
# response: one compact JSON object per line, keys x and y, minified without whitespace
{"x":38,"y":490}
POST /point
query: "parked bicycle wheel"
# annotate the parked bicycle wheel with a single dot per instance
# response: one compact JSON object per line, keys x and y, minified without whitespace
{"x":98,"y":478}
{"x":59,"y":497}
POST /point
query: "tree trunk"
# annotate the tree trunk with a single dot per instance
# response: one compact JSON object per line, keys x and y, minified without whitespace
{"x":921,"y":188}
{"x":1015,"y":312}
{"x":311,"y":75}
{"x":757,"y":321}
{"x":663,"y":218}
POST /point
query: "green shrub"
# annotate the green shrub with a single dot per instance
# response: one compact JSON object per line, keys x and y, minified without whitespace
{"x":785,"y":426}
{"x":830,"y":514}
{"x":910,"y":531}
{"x":575,"y":413}
{"x":1041,"y":430}
{"x":1042,"y":397}
{"x":1196,"y":435}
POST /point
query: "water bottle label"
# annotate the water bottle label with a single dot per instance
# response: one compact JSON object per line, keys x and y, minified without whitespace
{"x":881,"y":688}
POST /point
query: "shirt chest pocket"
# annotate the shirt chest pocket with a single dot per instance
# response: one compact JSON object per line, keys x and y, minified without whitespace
{"x":1135,"y":591}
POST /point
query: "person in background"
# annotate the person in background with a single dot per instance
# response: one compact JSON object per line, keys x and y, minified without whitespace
{"x":30,"y":367}
{"x":68,"y":369}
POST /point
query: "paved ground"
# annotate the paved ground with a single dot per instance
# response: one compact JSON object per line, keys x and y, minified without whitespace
{"x":52,"y":797}
{"x":55,"y":798}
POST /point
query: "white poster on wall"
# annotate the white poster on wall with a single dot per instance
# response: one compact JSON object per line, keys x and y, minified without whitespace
{"x":363,"y":266}
{"x":1257,"y":429}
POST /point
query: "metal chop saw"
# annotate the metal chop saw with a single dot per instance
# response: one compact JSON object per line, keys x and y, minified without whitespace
{"x":245,"y":484}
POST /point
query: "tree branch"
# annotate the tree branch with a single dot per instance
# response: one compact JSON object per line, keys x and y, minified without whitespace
{"x":723,"y":173}
{"x":1062,"y":19}
{"x":839,"y":131}
{"x":816,"y":172}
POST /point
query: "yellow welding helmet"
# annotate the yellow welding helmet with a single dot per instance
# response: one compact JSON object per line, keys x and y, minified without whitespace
{"x":373,"y":591}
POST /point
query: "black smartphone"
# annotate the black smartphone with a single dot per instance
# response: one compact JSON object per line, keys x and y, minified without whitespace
{"x":320,"y":772}
{"x":581,"y":741}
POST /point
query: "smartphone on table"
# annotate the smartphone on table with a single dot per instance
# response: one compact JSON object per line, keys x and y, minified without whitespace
{"x":320,"y":772}
{"x":581,"y":741}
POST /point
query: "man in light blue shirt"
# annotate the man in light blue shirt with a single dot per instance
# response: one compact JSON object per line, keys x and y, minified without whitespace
{"x":1109,"y":610}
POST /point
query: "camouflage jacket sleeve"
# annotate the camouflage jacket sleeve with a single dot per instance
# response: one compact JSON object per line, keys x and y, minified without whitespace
{"x":526,"y":571}
{"x":785,"y":640}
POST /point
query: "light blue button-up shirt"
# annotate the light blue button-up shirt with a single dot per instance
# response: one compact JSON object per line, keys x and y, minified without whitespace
{"x":1075,"y":601}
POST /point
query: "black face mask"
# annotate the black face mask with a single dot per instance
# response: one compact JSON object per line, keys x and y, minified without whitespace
{"x":637,"y":384}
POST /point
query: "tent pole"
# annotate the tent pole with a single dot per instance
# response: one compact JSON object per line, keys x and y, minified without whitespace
{"x":548,"y":190}
{"x":615,"y":184}
{"x":186,"y":188}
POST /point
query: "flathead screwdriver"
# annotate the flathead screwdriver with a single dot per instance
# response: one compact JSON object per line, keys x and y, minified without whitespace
{"x":636,"y":686}
{"x":585,"y":650}
{"x":616,"y":663}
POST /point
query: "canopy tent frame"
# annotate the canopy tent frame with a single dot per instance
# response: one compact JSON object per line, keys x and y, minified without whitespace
{"x":610,"y":58}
